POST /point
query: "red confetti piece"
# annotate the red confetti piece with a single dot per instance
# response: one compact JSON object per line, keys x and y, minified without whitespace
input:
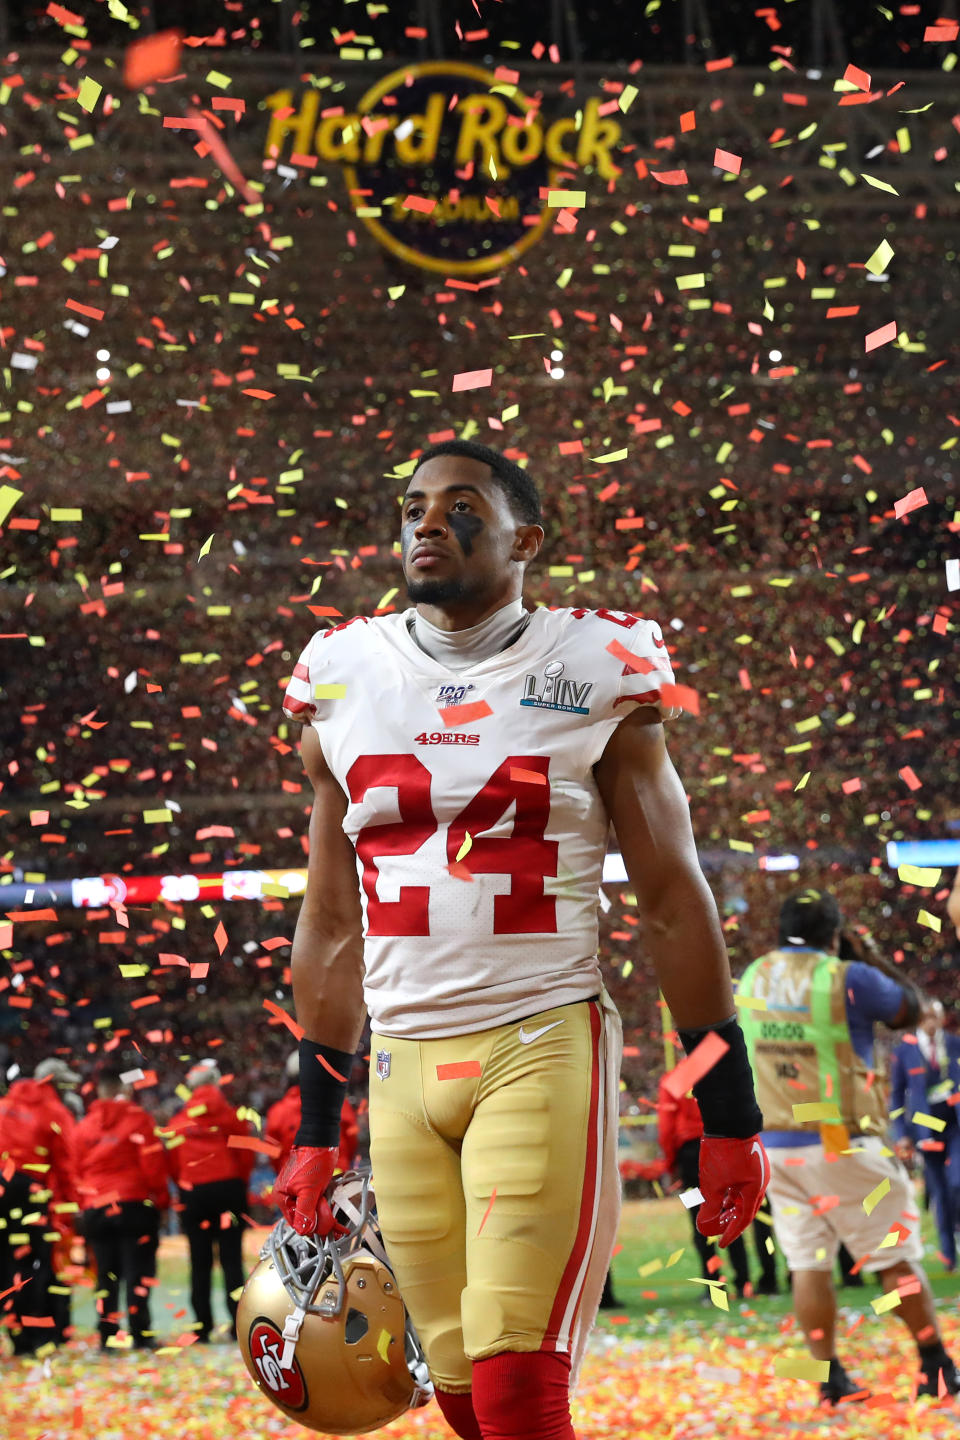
{"x":285,"y":1019}
{"x":460,"y":1070}
{"x":638,"y":663}
{"x":472,"y":379}
{"x":883,"y":336}
{"x":493,"y":1196}
{"x":455,"y":715}
{"x":854,"y":76}
{"x":419,"y":202}
{"x":670,"y":177}
{"x":913,"y":500}
{"x":220,"y":937}
{"x":156,"y":57}
{"x":683,"y":695}
{"x":88,"y":310}
{"x":250,"y":1142}
{"x":909,"y":778}
{"x":943,"y":30}
{"x":684,"y":1076}
{"x":724,"y":160}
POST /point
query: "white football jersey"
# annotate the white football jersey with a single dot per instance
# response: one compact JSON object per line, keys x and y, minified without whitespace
{"x":479,"y":830}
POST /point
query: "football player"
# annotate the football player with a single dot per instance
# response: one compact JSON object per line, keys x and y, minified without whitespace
{"x":467,"y":758}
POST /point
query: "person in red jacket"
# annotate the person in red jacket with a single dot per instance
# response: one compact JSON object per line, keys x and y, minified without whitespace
{"x":36,"y":1176}
{"x":211,"y":1175}
{"x":283,"y":1122}
{"x":122,"y":1190}
{"x":680,"y":1129}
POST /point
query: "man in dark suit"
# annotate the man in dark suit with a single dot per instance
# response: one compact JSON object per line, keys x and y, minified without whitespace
{"x":924,"y":1076}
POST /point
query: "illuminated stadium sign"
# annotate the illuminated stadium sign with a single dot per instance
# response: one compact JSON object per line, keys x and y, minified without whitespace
{"x":450,"y":167}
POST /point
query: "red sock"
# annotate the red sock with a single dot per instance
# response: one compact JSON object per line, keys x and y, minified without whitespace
{"x":523,"y":1396}
{"x":458,"y":1413}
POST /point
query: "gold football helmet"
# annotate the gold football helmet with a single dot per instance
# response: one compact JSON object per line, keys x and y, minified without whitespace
{"x":322,"y":1327}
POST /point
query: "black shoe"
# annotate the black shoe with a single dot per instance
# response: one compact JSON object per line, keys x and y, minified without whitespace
{"x":930,"y":1377}
{"x":839,"y":1387}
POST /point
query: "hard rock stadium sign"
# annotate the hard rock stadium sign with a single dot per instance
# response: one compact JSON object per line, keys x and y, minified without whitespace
{"x":450,"y":167}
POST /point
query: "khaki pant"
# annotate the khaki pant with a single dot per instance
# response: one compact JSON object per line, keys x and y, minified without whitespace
{"x":496,"y":1182}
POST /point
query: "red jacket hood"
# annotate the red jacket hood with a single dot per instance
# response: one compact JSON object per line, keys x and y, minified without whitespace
{"x":118,"y":1156}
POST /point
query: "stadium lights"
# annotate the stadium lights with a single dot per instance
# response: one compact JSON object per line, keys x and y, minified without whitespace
{"x":922,"y":853}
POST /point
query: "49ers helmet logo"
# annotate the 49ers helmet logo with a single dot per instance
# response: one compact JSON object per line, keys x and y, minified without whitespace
{"x":287,"y":1387}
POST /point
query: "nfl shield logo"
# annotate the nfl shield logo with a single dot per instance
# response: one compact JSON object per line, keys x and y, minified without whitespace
{"x":383,"y":1063}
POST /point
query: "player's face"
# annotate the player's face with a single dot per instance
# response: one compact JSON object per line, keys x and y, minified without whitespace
{"x":463,"y":550}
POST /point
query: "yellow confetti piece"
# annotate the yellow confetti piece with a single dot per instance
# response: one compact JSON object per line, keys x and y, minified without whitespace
{"x":133,"y":972}
{"x":674,"y":1258}
{"x":880,"y":258}
{"x":871,"y":1201}
{"x":466,"y":846}
{"x":917,"y":875}
{"x":157,"y":817}
{"x":628,"y":94}
{"x":9,"y":495}
{"x":89,"y":93}
{"x":802,"y":782}
{"x":883,"y":1303}
{"x":215,"y":77}
{"x":812,"y":723}
{"x":383,"y":1345}
{"x":329,"y":692}
{"x":649,"y":1268}
{"x":750,"y":1002}
{"x":878,"y":184}
{"x":718,"y":1297}
{"x":801,"y":1367}
{"x":691,"y":282}
{"x":568,"y":199}
{"x":62,"y":515}
{"x":743,"y":845}
{"x":611,"y":458}
{"x":932,"y":922}
{"x":819,"y":1110}
{"x":929,"y":1121}
{"x":205,"y":548}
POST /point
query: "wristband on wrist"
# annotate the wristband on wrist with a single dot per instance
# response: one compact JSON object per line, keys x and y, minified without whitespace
{"x":322,"y":1093}
{"x":725,"y":1095}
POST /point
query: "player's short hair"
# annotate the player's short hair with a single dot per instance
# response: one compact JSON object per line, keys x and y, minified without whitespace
{"x":809,"y":917}
{"x":516,"y":484}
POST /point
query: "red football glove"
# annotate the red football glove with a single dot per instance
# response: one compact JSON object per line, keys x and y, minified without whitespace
{"x":300,"y":1189}
{"x":734,"y":1175}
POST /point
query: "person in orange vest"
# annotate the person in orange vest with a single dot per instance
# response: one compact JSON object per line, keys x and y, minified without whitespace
{"x":122,"y":1189}
{"x":680,"y":1130}
{"x":36,"y":1177}
{"x":283,"y":1122}
{"x":211,"y":1175}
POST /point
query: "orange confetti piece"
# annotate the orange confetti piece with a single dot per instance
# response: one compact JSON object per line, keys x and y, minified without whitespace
{"x":909,"y":778}
{"x":455,"y":715}
{"x":460,"y":1070}
{"x":684,"y":1076}
{"x":285,"y":1019}
{"x":913,"y":500}
{"x":220,"y":937}
{"x":670,"y":177}
{"x":682,"y":695}
{"x":854,"y":76}
{"x":155,"y":57}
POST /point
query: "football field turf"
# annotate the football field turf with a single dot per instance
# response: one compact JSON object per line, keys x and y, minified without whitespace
{"x":664,"y":1365}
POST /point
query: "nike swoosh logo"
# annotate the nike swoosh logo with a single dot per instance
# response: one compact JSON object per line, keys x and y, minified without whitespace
{"x":527,"y":1037}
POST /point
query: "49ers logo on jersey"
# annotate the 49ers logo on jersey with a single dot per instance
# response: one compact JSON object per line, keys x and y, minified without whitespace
{"x":288,"y":1387}
{"x":445,"y":737}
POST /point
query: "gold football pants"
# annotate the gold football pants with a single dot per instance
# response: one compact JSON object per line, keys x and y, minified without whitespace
{"x":490,"y":1172}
